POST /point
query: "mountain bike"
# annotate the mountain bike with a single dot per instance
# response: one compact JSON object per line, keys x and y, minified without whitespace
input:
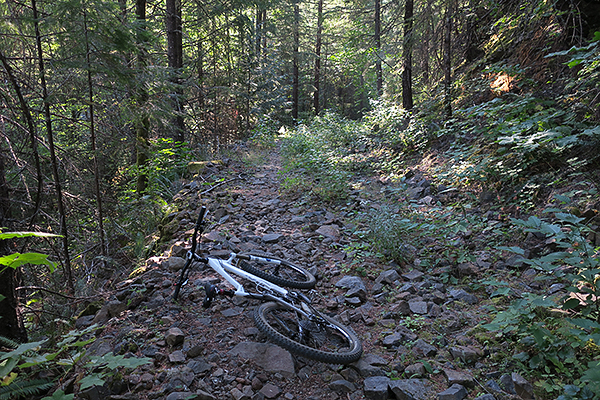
{"x":286,"y":317}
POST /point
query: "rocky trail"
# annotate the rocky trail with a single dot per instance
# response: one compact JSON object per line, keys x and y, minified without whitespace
{"x":416,"y":329}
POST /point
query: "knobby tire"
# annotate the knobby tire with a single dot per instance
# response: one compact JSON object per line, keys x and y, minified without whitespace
{"x":329,"y":342}
{"x":285,"y":274}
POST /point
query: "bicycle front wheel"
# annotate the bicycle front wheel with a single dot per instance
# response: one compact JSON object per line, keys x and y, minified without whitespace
{"x":277,"y":271}
{"x":319,"y":337}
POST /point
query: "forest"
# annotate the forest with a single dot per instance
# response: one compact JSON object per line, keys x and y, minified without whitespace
{"x":107,"y":105}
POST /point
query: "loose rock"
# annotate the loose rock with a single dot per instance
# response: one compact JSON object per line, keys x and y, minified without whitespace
{"x":174,"y":337}
{"x":376,"y":387}
{"x":454,"y":392}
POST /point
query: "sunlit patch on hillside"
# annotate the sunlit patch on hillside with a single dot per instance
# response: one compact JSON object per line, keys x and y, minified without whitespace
{"x":501,"y":82}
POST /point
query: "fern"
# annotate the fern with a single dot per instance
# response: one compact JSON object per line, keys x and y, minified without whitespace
{"x":6,"y":342}
{"x":21,"y":388}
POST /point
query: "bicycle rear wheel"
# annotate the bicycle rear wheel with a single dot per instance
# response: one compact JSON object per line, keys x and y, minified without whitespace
{"x":278,"y":271}
{"x":319,"y":338}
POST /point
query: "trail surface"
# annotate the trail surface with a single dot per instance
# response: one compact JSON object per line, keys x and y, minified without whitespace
{"x":415,"y":328}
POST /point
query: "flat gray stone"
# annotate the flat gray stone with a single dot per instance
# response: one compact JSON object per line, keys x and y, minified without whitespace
{"x":411,"y":389}
{"x":486,"y":397}
{"x":195,"y":351}
{"x":358,"y":292}
{"x":464,"y":296}
{"x":100,"y":347}
{"x":199,"y":395}
{"x":515,"y":261}
{"x":342,"y":386}
{"x":177,"y":357}
{"x":271,"y":238}
{"x":454,"y":392}
{"x":462,"y":378}
{"x":351,"y":282}
{"x":416,"y":370}
{"x":376,"y":387}
{"x":232,"y":312}
{"x":353,"y":301}
{"x":268,"y":356}
{"x":84,"y":322}
{"x":422,"y":348}
{"x":176,"y":263}
{"x":465,"y":353}
{"x":418,"y":307}
{"x":214,"y":236}
{"x":174,"y":337}
{"x":329,"y":231}
{"x":270,"y":391}
{"x":388,"y":277}
{"x":369,"y":365}
{"x":523,"y":388}
{"x":393,"y":340}
{"x":199,"y":366}
{"x":413,"y":275}
{"x":493,"y":386}
{"x":507,"y":384}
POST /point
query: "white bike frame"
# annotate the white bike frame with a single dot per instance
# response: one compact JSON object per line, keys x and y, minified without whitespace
{"x":223,"y":267}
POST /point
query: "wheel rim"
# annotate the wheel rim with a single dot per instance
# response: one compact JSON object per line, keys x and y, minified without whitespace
{"x":317,"y":336}
{"x":281,"y":272}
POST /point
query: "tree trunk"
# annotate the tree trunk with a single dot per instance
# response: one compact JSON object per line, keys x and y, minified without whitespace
{"x":378,"y":68}
{"x":53,"y":159}
{"x":317,"y":79}
{"x":407,"y":95}
{"x":11,"y":325}
{"x":296,"y":61}
{"x":260,"y":14}
{"x":175,"y":57}
{"x":99,"y":212}
{"x":142,"y":125}
{"x":200,"y":67}
{"x":448,"y":61}
{"x":32,"y":134}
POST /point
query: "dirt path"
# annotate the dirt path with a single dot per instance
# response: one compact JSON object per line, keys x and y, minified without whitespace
{"x":412,"y":324}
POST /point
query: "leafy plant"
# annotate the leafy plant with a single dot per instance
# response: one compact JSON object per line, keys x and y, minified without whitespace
{"x":19,"y":367}
{"x":389,"y":231}
{"x":587,"y":60}
{"x":397,"y":128}
{"x":16,"y":260}
{"x":559,"y":336}
{"x":264,"y":132}
{"x":318,"y":156}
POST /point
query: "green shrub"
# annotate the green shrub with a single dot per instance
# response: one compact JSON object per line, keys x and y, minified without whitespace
{"x":397,"y":128}
{"x":559,"y":335}
{"x":318,"y":156}
{"x":20,"y":367}
{"x":392,"y":233}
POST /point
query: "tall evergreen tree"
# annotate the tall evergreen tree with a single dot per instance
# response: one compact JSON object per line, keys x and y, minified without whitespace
{"x":407,"y":95}
{"x":296,"y":61}
{"x":64,"y":231}
{"x":378,"y":53}
{"x":175,"y":57}
{"x":142,"y":122}
{"x":319,"y":42}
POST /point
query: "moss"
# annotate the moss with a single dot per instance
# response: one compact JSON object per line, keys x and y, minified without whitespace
{"x":91,"y":309}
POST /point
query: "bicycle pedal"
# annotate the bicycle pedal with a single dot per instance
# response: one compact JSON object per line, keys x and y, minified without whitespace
{"x":210,"y":292}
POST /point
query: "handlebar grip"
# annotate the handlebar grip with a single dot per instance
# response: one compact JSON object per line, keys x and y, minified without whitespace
{"x":201,"y":215}
{"x":199,"y":221}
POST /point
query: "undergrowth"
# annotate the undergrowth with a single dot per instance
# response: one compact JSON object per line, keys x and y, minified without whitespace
{"x":521,"y":149}
{"x":558,"y":334}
